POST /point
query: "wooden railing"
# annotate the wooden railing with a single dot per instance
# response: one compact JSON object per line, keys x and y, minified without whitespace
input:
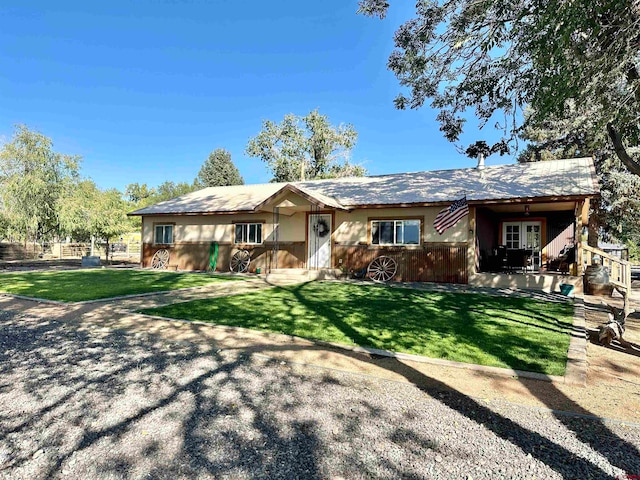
{"x":619,"y":270}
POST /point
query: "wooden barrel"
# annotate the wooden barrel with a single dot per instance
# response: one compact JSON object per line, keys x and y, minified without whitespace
{"x":596,"y":280}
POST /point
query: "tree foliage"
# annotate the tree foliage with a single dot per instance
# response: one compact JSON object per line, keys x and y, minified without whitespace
{"x":135,"y":192}
{"x":168,"y":190}
{"x":32,"y":180}
{"x":309,"y":147}
{"x":218,"y":170}
{"x":616,"y":214}
{"x":89,"y":212}
{"x":141,"y":195}
{"x":497,"y":56}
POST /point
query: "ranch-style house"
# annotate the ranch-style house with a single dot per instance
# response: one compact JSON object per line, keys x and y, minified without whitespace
{"x":524,"y":226}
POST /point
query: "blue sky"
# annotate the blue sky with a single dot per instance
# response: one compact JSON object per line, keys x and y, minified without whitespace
{"x":144,"y":90}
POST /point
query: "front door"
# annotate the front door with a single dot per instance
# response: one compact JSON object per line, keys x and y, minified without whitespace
{"x":527,"y":236}
{"x":319,"y":241}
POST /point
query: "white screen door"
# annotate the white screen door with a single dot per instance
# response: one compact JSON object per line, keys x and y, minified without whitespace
{"x":319,"y":241}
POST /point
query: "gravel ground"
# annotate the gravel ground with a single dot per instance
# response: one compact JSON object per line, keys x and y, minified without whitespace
{"x":98,"y":403}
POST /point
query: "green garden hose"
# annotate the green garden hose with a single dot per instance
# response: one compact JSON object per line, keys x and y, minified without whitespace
{"x":213,"y":256}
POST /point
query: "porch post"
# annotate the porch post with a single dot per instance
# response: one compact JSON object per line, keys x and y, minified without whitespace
{"x":275,"y":235}
{"x":578,"y":236}
{"x":472,"y":253}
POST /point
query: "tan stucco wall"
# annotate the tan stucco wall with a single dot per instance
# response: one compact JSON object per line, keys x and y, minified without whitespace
{"x":352,"y":227}
{"x":219,"y":228}
{"x":293,"y":228}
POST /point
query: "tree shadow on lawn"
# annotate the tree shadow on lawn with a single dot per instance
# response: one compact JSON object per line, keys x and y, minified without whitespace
{"x":452,"y":326}
{"x":617,"y":451}
{"x":432,"y":324}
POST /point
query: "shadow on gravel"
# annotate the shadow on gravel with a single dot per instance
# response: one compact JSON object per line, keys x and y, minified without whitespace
{"x":87,"y":402}
{"x":591,"y":432}
{"x":150,"y":409}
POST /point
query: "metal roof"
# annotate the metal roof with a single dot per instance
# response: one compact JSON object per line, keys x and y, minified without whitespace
{"x":573,"y":177}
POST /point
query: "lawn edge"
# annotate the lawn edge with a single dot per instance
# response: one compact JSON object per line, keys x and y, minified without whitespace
{"x":501,"y":371}
{"x":576,"y":367}
{"x":34,"y":299}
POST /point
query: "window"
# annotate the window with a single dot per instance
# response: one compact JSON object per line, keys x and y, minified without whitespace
{"x":395,"y":232}
{"x":164,"y":234}
{"x":248,"y":233}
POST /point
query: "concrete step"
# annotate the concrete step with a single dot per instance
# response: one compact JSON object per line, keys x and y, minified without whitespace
{"x":292,"y":275}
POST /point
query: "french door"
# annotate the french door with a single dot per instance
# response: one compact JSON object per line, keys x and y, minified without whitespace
{"x":526,"y":236}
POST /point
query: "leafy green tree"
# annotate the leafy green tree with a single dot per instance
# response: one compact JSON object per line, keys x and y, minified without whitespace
{"x":218,"y":170}
{"x":89,"y":212}
{"x":168,"y":190}
{"x":4,"y":225}
{"x":32,"y":180}
{"x":306,"y":147}
{"x":495,"y":57}
{"x":616,"y":214}
{"x":136,"y":193}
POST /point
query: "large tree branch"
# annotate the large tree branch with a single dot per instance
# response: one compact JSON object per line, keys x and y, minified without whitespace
{"x":621,"y":152}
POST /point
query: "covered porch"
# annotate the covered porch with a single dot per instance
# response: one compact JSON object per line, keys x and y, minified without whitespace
{"x":529,"y":237}
{"x":528,"y":244}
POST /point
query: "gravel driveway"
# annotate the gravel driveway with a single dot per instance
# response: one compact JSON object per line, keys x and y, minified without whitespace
{"x":107,"y":404}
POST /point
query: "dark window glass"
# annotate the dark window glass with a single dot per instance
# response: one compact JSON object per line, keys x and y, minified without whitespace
{"x":386,"y":233}
{"x":411,"y":232}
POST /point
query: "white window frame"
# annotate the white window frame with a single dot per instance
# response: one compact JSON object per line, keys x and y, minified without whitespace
{"x":246,"y":233}
{"x":395,"y":231}
{"x":164,"y":227}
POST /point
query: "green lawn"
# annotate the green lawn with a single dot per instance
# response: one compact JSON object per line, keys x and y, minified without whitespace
{"x":504,"y":332}
{"x":78,"y":285}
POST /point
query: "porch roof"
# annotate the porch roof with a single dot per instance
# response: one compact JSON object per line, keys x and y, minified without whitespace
{"x":549,"y":179}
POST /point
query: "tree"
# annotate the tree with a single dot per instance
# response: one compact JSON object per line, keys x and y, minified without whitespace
{"x":89,"y":212}
{"x":168,"y":190}
{"x":616,"y":214}
{"x":306,"y":147}
{"x":497,"y":56}
{"x":136,"y":193}
{"x":32,"y":180}
{"x":218,"y":170}
{"x":4,"y":225}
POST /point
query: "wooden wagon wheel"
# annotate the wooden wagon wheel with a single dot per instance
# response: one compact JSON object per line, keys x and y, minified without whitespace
{"x":382,"y":269}
{"x":160,"y":259}
{"x":240,"y":261}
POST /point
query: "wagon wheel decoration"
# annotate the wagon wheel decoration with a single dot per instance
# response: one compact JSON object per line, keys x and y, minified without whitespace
{"x":240,"y":261}
{"x":160,"y":259}
{"x":382,"y":269}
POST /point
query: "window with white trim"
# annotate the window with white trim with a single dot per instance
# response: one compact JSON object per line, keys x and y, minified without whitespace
{"x":248,"y":233}
{"x":395,"y":232}
{"x":163,"y":234}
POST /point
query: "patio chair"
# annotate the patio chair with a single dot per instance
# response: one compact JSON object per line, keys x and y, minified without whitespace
{"x":516,"y":260}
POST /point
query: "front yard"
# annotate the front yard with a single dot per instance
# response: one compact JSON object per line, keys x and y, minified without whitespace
{"x":518,"y":333}
{"x":80,"y":285}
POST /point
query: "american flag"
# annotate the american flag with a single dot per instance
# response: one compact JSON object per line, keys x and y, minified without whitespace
{"x":448,"y":217}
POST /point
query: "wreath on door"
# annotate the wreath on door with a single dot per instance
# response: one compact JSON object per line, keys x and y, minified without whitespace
{"x":321,"y":228}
